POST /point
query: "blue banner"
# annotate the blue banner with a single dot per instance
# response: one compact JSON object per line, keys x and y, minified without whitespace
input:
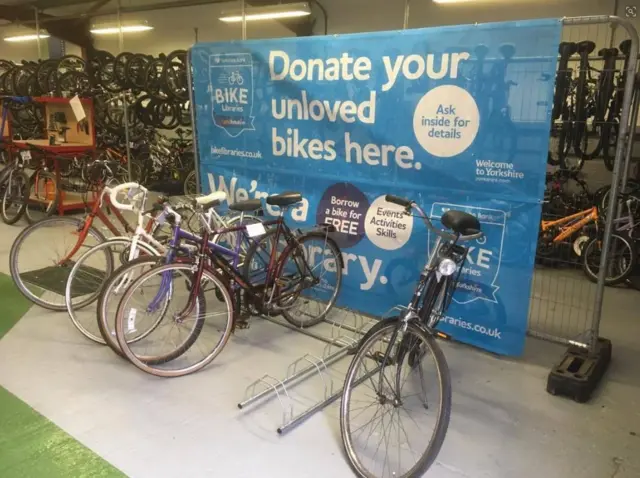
{"x":452,"y":117}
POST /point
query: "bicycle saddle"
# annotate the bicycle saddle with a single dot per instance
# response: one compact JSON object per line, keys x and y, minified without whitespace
{"x":481,"y":51}
{"x":625,"y":47}
{"x":586,"y":46}
{"x":507,"y":50}
{"x":210,"y":200}
{"x":567,"y":48}
{"x":245,"y":206}
{"x":460,"y":222}
{"x":608,"y":52}
{"x":284,"y":199}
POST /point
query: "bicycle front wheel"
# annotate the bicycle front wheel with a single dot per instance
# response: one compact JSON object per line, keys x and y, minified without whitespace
{"x":179,"y":337}
{"x":42,"y":256}
{"x":111,"y":294}
{"x":396,"y":402}
{"x":89,"y":277}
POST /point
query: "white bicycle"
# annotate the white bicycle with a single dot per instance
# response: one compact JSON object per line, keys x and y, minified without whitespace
{"x":89,"y":282}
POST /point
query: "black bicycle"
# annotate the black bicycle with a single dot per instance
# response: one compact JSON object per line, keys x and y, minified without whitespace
{"x":388,"y":371}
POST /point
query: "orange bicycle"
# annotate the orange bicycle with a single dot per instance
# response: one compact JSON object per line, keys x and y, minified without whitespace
{"x":589,"y":246}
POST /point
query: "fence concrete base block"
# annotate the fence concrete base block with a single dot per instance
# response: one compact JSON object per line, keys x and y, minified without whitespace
{"x":578,"y":374}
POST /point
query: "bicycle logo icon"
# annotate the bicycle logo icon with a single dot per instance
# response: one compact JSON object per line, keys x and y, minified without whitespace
{"x":235,"y":78}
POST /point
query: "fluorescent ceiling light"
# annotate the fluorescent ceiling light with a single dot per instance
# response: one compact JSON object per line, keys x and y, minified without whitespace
{"x":123,"y":29}
{"x":30,"y":37}
{"x":272,"y":12}
{"x":452,"y":1}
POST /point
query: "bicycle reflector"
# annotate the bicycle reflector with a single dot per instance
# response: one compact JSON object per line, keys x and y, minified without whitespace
{"x":447,"y":267}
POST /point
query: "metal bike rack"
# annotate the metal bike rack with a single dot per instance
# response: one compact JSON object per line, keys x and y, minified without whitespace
{"x":346,"y":328}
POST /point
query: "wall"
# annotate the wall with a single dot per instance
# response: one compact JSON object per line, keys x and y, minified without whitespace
{"x":17,"y":52}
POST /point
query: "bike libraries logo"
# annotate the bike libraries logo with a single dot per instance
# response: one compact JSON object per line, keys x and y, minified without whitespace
{"x":231,"y":90}
{"x":631,"y":11}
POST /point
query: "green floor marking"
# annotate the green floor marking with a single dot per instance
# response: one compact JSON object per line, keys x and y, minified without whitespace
{"x":30,"y":445}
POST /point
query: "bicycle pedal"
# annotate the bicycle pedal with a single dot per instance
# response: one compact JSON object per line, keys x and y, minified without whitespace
{"x":242,"y":324}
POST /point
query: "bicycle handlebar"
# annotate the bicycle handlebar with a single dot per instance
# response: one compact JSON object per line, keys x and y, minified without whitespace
{"x":409,"y":204}
{"x":113,"y":193}
{"x":219,"y":196}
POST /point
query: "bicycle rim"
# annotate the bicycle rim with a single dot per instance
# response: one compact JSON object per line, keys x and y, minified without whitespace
{"x":86,"y":281}
{"x":111,"y":294}
{"x":13,"y":205}
{"x":310,"y":280}
{"x":177,"y":345}
{"x":42,"y":277}
{"x":622,"y":258}
{"x":374,"y":394}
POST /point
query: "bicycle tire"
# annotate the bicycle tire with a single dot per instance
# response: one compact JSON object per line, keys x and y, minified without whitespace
{"x":190,"y":184}
{"x":562,"y":132}
{"x":12,"y":194}
{"x":628,"y":268}
{"x":444,"y":410}
{"x":94,"y":296}
{"x":331,"y":245}
{"x":106,"y":323}
{"x":19,"y":242}
{"x":147,"y":364}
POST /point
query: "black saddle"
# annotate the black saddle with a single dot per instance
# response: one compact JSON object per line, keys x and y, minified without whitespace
{"x":625,"y":47}
{"x":245,"y":206}
{"x":586,"y":46}
{"x":461,"y":222}
{"x":285,"y":199}
{"x":567,"y":48}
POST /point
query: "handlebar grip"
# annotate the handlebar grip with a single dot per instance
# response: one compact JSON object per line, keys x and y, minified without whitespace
{"x":398,"y":200}
{"x":113,"y":193}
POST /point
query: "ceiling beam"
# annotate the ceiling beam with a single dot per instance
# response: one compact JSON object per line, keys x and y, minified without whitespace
{"x":74,"y":31}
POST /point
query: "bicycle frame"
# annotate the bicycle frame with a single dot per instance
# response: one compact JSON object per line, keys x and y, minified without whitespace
{"x":96,"y":210}
{"x":217,"y":253}
{"x":581,"y":219}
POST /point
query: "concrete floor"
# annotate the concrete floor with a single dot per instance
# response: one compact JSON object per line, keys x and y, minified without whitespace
{"x":503,"y":422}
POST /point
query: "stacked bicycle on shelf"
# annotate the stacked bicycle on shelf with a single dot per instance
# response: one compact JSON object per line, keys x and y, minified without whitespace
{"x":587,"y":104}
{"x":152,"y":90}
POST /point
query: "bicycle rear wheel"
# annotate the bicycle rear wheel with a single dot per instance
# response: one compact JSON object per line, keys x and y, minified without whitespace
{"x":13,"y":204}
{"x":622,"y":259}
{"x":310,"y":279}
{"x":388,"y":363}
{"x":42,"y":256}
{"x":181,"y":341}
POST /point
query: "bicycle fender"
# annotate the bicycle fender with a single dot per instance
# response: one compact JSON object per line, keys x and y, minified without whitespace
{"x":381,"y":323}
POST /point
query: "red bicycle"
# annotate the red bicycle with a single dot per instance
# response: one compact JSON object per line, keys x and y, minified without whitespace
{"x":59,"y":241}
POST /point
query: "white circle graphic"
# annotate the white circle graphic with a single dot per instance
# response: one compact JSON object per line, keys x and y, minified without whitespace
{"x":446,"y":121}
{"x":386,"y":225}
